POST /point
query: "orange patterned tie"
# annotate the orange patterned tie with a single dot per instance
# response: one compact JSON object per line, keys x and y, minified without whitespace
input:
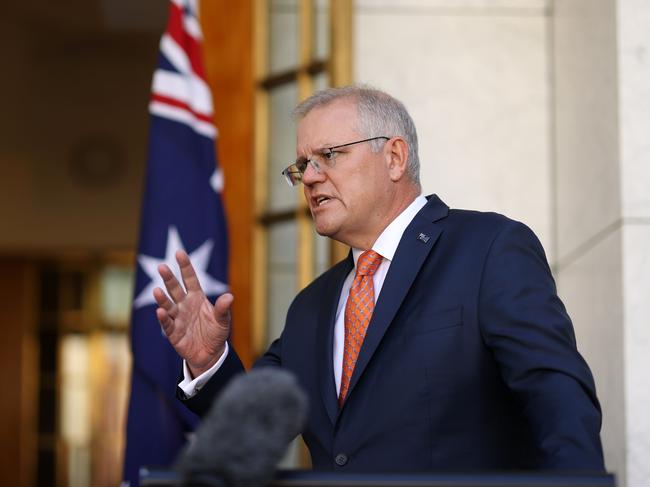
{"x":358,"y":311}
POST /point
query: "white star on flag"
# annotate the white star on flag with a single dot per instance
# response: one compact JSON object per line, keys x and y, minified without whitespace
{"x":200,"y":259}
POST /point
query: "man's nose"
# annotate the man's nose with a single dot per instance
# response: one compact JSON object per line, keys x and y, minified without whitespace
{"x":312,"y":175}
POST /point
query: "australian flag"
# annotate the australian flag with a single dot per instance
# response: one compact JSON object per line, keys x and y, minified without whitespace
{"x":182,"y":209}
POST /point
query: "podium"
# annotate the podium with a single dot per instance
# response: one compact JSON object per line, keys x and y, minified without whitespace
{"x":151,"y":477}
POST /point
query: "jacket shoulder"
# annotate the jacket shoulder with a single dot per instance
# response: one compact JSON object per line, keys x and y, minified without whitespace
{"x":475,"y":217}
{"x":330,"y":277}
{"x":478,"y":221}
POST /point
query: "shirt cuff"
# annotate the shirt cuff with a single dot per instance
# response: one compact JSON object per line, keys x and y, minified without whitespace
{"x":191,"y":386}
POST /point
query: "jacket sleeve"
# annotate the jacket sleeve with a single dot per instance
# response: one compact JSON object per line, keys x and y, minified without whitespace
{"x":528,"y":330}
{"x":200,"y":402}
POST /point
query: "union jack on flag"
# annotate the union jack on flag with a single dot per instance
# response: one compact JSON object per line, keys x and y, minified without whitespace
{"x":180,"y":91}
{"x":182,"y":209}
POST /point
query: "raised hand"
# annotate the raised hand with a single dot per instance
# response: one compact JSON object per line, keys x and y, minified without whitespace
{"x":195,"y":328}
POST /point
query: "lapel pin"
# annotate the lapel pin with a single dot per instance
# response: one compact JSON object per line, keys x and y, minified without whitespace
{"x":423,"y":238}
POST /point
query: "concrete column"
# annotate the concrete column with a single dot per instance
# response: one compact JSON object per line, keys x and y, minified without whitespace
{"x":588,"y":199}
{"x":633,"y":25}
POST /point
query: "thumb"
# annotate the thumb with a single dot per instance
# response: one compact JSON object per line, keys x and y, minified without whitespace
{"x":222,"y":309}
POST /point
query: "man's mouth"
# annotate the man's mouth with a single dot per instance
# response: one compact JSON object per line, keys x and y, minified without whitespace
{"x":322,"y":200}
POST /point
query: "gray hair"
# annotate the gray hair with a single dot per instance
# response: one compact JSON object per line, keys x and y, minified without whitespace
{"x":379,"y":114}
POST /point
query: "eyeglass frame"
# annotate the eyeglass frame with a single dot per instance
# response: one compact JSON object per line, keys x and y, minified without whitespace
{"x":325,"y":151}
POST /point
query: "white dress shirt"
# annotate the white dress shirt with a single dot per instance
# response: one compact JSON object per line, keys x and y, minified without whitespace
{"x":385,"y":245}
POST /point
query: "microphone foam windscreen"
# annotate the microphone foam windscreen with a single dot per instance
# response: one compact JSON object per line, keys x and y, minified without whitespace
{"x":247,"y":430}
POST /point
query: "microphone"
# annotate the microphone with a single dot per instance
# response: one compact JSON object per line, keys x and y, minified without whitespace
{"x":246,"y":432}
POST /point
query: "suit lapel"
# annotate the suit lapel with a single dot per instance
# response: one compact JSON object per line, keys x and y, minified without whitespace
{"x":325,"y":341}
{"x":415,"y":245}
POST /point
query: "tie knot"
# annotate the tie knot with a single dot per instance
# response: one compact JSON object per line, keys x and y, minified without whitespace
{"x":368,"y":263}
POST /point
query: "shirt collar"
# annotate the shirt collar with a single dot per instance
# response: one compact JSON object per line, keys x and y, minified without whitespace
{"x":386,"y":244}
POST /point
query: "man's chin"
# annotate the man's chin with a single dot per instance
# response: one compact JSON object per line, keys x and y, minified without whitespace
{"x":325,"y":232}
{"x":324,"y":229}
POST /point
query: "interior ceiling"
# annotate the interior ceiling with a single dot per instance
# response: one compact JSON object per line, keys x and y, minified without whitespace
{"x":90,"y":16}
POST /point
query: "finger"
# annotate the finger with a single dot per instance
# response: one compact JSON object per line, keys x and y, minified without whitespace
{"x":222,"y":309}
{"x":166,"y":322}
{"x":164,"y":302}
{"x":187,"y":272}
{"x":174,"y":288}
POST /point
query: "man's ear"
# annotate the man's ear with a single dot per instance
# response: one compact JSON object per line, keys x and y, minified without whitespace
{"x":397,"y":157}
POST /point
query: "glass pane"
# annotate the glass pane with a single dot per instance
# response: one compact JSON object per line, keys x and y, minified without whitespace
{"x":75,"y":407}
{"x":322,"y":33}
{"x":291,"y":459}
{"x":282,"y":270}
{"x":283,"y":31}
{"x":116,"y":295}
{"x":321,"y":81}
{"x":282,"y":146}
{"x":111,"y":380}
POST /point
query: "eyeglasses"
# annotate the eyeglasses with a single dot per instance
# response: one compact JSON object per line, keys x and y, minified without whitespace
{"x":321,"y":161}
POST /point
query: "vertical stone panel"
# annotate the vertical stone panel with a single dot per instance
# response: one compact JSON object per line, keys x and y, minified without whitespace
{"x":633,"y":21}
{"x":591,"y":287}
{"x":586,"y":122}
{"x":636,"y":282}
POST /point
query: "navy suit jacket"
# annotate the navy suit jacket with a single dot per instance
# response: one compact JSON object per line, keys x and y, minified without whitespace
{"x":469,"y":361}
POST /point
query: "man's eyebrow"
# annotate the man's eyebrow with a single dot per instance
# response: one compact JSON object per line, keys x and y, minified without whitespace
{"x":319,"y":148}
{"x":328,"y":146}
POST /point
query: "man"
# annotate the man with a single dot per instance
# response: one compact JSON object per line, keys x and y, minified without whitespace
{"x":439,"y":343}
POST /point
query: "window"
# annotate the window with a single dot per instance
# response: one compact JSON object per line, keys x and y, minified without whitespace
{"x":300,"y":46}
{"x":84,"y":362}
